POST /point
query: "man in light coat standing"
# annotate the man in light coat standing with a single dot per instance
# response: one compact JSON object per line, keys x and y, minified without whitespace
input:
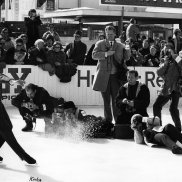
{"x":107,"y":52}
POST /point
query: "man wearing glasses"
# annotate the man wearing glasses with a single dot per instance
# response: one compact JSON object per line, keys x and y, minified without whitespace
{"x":16,"y":55}
{"x":76,"y":51}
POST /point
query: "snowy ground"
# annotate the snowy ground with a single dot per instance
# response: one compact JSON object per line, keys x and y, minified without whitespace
{"x":99,"y":160}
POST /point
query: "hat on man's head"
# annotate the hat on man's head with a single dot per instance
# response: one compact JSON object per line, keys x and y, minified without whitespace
{"x":78,"y":32}
{"x":69,"y":105}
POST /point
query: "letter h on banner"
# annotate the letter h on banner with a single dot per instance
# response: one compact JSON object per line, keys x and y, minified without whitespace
{"x":87,"y":78}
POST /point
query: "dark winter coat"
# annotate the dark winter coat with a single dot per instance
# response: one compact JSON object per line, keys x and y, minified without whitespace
{"x":32,"y":30}
{"x":141,"y":102}
{"x":41,"y":98}
{"x":76,"y":51}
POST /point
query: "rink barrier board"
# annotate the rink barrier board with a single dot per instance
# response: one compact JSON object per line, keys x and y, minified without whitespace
{"x":78,"y":90}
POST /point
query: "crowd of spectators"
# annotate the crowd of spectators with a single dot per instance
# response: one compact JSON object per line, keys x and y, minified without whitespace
{"x":48,"y":53}
{"x":45,"y":52}
{"x":147,"y":51}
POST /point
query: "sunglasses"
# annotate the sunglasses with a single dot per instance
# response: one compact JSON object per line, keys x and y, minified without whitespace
{"x":57,"y":47}
{"x":18,"y":45}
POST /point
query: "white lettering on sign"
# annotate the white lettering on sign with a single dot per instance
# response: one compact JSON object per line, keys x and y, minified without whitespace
{"x":110,"y":1}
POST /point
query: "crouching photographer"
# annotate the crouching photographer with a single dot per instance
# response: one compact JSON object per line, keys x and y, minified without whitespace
{"x":33,"y":102}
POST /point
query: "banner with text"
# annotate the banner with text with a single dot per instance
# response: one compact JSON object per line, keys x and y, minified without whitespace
{"x":78,"y":90}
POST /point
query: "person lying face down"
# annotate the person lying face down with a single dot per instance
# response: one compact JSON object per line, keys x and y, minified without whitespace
{"x":149,"y":131}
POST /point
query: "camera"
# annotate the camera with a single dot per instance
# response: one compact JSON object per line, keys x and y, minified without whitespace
{"x":30,"y":105}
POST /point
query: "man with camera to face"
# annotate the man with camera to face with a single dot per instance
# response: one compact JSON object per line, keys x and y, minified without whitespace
{"x":170,"y":71}
{"x":33,"y":102}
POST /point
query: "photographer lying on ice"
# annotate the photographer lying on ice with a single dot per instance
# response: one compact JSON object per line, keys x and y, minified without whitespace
{"x":68,"y":116}
{"x":148,"y":130}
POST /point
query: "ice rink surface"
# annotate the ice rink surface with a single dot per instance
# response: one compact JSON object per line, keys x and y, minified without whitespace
{"x":70,"y":159}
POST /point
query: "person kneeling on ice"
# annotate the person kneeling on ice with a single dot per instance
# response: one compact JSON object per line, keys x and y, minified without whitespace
{"x":148,"y":130}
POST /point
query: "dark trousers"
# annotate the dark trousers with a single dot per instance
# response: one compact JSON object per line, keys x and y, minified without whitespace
{"x":109,"y":96}
{"x":24,"y":112}
{"x":162,"y":100}
{"x":168,"y":137}
{"x":8,"y":136}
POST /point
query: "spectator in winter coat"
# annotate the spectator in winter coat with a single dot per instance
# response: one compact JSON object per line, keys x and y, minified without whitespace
{"x":37,"y":55}
{"x":151,"y":59}
{"x":56,"y":57}
{"x":17,"y":55}
{"x":132,"y":30}
{"x":177,"y":40}
{"x":76,"y":50}
{"x":51,"y":31}
{"x":8,"y":42}
{"x":32,"y":24}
